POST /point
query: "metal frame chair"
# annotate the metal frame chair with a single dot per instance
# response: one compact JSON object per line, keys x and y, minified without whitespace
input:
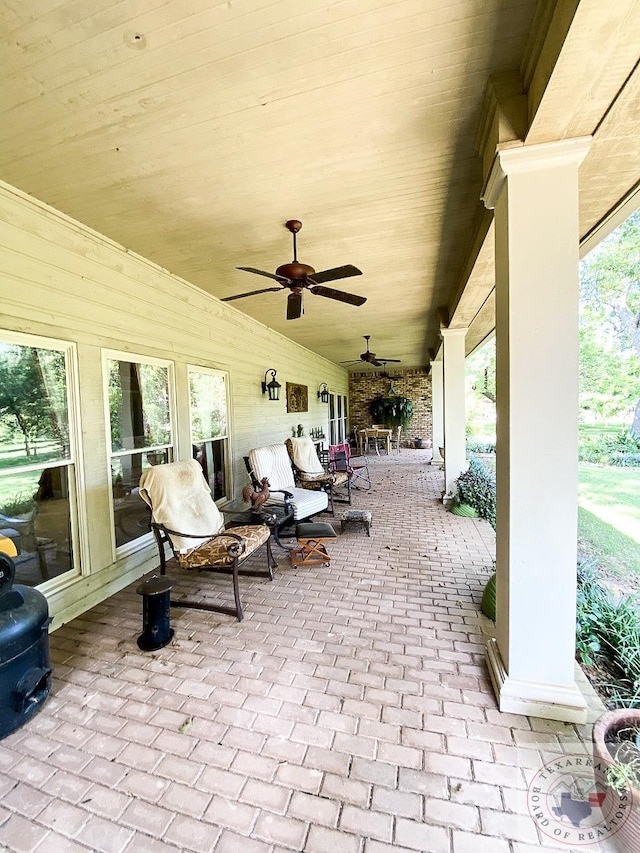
{"x":273,"y":462}
{"x":320,"y":478}
{"x":215,"y":549}
{"x":341,"y":460}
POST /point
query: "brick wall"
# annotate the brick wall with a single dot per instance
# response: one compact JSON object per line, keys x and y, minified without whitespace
{"x":413,"y":384}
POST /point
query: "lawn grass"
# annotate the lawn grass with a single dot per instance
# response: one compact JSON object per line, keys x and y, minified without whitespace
{"x":609,"y":517}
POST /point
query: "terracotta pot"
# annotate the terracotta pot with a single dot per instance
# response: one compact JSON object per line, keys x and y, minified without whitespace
{"x":628,"y":837}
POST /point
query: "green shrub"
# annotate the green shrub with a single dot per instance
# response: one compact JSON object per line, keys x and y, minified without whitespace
{"x":477,"y":487}
{"x":622,"y":449}
{"x":609,"y":631}
{"x":474,"y":446}
{"x":19,"y":504}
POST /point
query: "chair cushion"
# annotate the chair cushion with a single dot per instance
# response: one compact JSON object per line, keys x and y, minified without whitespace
{"x":315,"y":530}
{"x":214,"y":552}
{"x":336,"y":478}
{"x":305,"y":502}
{"x":273,"y":462}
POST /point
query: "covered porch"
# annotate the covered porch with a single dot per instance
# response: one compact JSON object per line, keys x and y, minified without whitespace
{"x":351,"y":710}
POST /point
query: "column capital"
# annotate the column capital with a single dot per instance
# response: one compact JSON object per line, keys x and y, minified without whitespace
{"x":452,"y":333}
{"x":531,"y":158}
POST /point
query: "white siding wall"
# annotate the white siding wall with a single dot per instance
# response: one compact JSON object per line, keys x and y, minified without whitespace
{"x":62,"y":280}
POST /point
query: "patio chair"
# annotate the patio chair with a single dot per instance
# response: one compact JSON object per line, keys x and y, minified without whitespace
{"x":273,"y":462}
{"x":311,"y":474}
{"x":355,"y":467}
{"x":184,"y":515}
{"x":395,"y":439}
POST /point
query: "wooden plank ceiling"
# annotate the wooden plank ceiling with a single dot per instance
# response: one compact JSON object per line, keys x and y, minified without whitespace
{"x":190,"y":132}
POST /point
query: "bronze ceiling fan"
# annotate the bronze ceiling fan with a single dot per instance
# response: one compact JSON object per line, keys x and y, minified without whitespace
{"x":298,"y":277}
{"x":371,"y":358}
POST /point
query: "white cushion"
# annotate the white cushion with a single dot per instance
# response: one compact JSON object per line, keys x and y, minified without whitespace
{"x":305,"y":502}
{"x":273,"y":462}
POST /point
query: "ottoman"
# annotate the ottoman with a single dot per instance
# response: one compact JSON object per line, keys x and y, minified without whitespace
{"x":356,"y":516}
{"x":311,"y":550}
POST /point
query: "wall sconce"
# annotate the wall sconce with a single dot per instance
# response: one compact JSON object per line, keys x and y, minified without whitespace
{"x":273,"y":387}
{"x":323,"y":392}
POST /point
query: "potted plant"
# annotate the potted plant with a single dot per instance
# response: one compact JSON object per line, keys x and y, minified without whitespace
{"x":391,"y":411}
{"x":616,"y":743}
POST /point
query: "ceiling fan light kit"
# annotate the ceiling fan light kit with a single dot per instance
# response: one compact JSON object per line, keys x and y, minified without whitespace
{"x":298,"y":277}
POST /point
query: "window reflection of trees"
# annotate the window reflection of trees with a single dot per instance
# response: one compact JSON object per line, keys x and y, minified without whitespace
{"x":141,"y":435}
{"x":36,"y":474}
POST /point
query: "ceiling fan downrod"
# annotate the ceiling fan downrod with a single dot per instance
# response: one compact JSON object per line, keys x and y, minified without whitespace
{"x":294,"y":225}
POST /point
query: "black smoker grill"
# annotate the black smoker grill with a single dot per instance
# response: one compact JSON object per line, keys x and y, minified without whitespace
{"x":25,"y":672}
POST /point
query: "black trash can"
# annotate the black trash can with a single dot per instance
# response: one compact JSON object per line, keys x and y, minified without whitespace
{"x":25,"y":670}
{"x":156,"y":613}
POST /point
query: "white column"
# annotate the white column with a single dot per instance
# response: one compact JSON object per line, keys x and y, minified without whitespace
{"x":534,"y":190}
{"x":455,"y":447}
{"x":437,"y":411}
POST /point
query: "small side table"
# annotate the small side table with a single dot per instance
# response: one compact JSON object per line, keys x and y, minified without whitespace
{"x":311,"y":550}
{"x":274,"y":516}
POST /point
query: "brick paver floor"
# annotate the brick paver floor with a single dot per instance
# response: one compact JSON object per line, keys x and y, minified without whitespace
{"x":350,"y":712}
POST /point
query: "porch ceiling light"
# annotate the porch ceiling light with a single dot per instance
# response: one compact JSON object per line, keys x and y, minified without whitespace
{"x":273,"y":387}
{"x":323,"y":392}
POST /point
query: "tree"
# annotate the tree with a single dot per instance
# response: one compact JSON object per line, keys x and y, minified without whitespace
{"x":610,"y":317}
{"x":24,"y":399}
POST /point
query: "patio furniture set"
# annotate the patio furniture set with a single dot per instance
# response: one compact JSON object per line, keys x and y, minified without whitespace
{"x":201,"y":538}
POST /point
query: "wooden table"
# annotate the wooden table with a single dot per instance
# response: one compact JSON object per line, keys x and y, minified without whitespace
{"x":365,"y":434}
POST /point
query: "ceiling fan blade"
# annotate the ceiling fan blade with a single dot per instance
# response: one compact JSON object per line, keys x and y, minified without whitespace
{"x":250,"y":293}
{"x":267,"y":274}
{"x":375,"y":363}
{"x":337,"y":272}
{"x":340,"y":295}
{"x":389,"y":360}
{"x":294,"y":306}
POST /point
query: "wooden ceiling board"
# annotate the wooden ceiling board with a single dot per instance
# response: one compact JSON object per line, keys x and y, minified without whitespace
{"x":191,"y":132}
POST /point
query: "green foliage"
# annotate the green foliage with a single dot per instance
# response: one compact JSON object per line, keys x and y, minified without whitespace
{"x":624,"y":772}
{"x":621,"y":449}
{"x":33,"y":396}
{"x":391,"y":411}
{"x":475,"y":446}
{"x":18,"y":504}
{"x":609,"y":323}
{"x":477,"y":487}
{"x":610,"y":630}
{"x":624,"y":775}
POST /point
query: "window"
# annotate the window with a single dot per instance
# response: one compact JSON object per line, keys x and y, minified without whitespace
{"x":141,"y":434}
{"x":210,"y":427}
{"x":37,"y":457}
{"x":337,"y":418}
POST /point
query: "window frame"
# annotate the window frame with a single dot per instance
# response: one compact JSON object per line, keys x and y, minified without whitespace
{"x":77,"y":492}
{"x":216,"y":371}
{"x":120,"y":551}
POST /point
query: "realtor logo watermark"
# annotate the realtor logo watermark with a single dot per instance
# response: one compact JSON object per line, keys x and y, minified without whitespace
{"x":570,"y":801}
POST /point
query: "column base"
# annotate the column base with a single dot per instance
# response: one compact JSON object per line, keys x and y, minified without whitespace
{"x":532,"y":698}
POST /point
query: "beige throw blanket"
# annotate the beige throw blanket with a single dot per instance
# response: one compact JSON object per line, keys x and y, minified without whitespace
{"x":180,"y":499}
{"x":305,"y":457}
